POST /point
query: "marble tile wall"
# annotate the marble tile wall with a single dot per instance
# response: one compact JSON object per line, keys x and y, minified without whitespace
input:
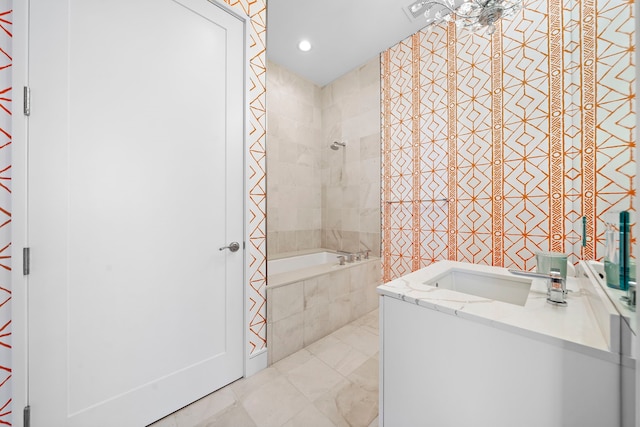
{"x":318,"y":197}
{"x":300,"y":313}
{"x":294,"y":130}
{"x":351,"y":175}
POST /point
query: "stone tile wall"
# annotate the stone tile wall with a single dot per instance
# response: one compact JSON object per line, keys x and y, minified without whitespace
{"x":301,"y":313}
{"x":294,"y":127}
{"x":318,"y":197}
{"x":351,"y":175}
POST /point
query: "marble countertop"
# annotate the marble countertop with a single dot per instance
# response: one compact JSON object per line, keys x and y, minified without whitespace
{"x":574,"y":326}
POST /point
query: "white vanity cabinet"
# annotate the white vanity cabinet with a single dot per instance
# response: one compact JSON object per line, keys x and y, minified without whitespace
{"x":450,"y":359}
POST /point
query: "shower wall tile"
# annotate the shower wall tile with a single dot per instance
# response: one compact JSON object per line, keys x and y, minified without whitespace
{"x":351,"y":175}
{"x":294,"y":206}
{"x":329,"y":196}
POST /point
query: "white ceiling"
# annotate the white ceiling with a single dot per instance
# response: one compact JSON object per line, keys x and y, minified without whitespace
{"x":344,"y":34}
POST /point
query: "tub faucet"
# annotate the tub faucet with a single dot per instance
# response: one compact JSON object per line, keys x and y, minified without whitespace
{"x":341,"y":259}
{"x":556,"y":286}
{"x":347,"y":255}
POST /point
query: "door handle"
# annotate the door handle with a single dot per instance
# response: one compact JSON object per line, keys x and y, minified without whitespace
{"x":233,"y":247}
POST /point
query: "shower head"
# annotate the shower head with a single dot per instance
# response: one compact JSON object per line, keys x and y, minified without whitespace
{"x":336,"y":145}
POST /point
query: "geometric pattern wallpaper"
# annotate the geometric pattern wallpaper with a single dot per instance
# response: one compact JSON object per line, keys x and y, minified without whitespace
{"x":256,"y":171}
{"x":5,"y":211}
{"x":495,"y":147}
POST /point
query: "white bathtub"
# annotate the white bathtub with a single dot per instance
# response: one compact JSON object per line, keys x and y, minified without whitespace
{"x":298,"y":262}
{"x":310,"y":295}
{"x":296,"y":266}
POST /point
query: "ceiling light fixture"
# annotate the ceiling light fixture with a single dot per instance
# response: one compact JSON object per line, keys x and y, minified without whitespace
{"x":475,"y":15}
{"x":304,"y":45}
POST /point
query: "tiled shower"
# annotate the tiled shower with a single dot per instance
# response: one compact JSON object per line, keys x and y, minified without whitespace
{"x":319,"y":197}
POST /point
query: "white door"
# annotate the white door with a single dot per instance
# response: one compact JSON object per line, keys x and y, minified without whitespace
{"x":135,"y":181}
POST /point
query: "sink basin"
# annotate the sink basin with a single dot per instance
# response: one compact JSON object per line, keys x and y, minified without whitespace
{"x":500,"y":287}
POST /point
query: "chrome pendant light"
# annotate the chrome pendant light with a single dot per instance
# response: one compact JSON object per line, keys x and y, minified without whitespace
{"x":475,"y":15}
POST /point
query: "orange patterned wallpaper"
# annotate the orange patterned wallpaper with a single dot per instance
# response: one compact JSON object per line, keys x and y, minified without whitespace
{"x":6,"y":30}
{"x":495,"y":147}
{"x":256,"y":175}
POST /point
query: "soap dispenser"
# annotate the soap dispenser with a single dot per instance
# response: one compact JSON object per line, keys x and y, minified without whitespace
{"x":617,"y":260}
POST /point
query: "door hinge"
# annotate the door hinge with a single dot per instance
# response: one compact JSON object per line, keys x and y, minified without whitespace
{"x":26,"y":416}
{"x":26,"y":98}
{"x":26,"y":261}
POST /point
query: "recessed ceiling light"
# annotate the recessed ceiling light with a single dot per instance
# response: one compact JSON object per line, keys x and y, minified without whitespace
{"x":304,"y":45}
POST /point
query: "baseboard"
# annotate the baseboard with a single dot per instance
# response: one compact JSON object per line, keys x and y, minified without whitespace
{"x":256,"y":362}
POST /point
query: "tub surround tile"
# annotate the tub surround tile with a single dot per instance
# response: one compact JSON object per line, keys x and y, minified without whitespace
{"x":350,"y":241}
{"x":285,"y":301}
{"x":317,"y":305}
{"x":358,"y":278}
{"x":315,"y":293}
{"x":332,"y":239}
{"x":286,"y":336}
{"x":340,"y":312}
{"x":316,"y":323}
{"x":358,"y":301}
{"x":337,"y":283}
{"x":370,"y":241}
{"x":286,"y":241}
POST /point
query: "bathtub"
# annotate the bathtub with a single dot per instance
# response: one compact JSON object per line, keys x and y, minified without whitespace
{"x":310,"y":295}
{"x":302,"y":264}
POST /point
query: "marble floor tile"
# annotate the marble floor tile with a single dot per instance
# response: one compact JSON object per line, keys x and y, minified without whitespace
{"x":291,"y":362}
{"x":330,"y":383}
{"x":314,"y":378}
{"x":234,"y":416}
{"x":244,"y":386}
{"x":341,"y":356}
{"x":348,"y":405}
{"x":310,"y":417}
{"x":361,"y":340}
{"x":168,"y":421}
{"x":366,"y":375}
{"x":205,"y":408}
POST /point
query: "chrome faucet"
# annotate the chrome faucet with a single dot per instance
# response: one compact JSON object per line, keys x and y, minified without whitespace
{"x":556,"y":285}
{"x":349,"y":257}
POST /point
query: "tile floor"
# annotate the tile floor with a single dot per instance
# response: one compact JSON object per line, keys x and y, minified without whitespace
{"x":332,"y":382}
